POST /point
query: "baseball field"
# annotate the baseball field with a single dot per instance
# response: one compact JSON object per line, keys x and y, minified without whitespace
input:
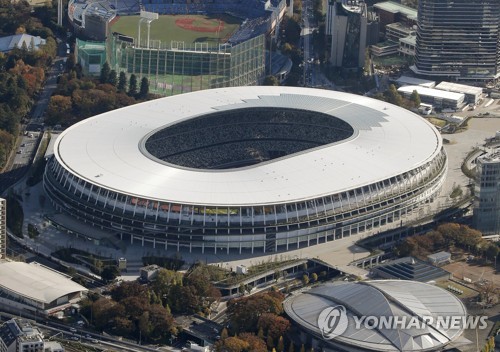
{"x":187,"y":28}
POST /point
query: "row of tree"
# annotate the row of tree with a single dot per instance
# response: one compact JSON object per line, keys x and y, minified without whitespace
{"x":78,"y":97}
{"x":22,"y":70}
{"x":136,"y":310}
{"x":447,"y":236}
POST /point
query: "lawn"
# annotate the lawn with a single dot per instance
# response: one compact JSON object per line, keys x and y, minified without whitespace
{"x":187,"y":28}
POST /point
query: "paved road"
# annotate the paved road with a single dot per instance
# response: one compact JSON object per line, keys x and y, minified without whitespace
{"x":23,"y":153}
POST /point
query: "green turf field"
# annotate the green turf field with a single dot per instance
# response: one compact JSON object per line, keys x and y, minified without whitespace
{"x":165,"y":29}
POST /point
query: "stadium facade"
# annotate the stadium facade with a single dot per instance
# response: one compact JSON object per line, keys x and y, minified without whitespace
{"x":178,"y":67}
{"x":247,"y":168}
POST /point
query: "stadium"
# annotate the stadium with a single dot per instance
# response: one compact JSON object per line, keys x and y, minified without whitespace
{"x":191,"y":46}
{"x":430,"y":308}
{"x":246,"y":168}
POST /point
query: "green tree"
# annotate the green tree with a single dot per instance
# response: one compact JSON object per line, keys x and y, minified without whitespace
{"x":314,"y":277}
{"x":132,"y":85}
{"x":144,"y":90}
{"x":122,"y":82}
{"x":105,"y":71}
{"x":271,"y":81}
{"x":305,"y":280}
{"x":113,"y":78}
{"x":415,"y":98}
{"x":392,"y":96}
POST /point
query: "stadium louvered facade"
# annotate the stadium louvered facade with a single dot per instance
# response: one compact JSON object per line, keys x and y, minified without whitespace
{"x":458,"y":39}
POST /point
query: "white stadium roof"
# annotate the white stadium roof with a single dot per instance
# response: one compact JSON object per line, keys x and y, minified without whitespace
{"x":387,"y":141}
{"x":382,"y":298}
{"x":36,"y":281}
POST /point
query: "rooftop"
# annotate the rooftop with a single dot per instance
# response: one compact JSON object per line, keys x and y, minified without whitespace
{"x":409,"y":268}
{"x":36,"y":281}
{"x":407,"y":80}
{"x":105,"y":150}
{"x":381,"y":298}
{"x":394,"y":7}
{"x":459,"y":88}
{"x":432,"y":92}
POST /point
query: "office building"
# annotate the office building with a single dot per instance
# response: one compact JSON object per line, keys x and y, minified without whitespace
{"x":17,"y":335}
{"x":487,"y":194}
{"x":458,"y":39}
{"x":352,"y":29}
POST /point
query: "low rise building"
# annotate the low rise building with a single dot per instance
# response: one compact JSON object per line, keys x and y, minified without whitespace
{"x":30,"y":42}
{"x":439,"y":258}
{"x":37,"y":288}
{"x":436,"y":97}
{"x":150,"y":272}
{"x":413,"y":81}
{"x":17,"y":335}
{"x":472,"y":94}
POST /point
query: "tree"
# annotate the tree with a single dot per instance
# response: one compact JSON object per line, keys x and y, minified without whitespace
{"x":302,"y":348}
{"x":291,"y":348}
{"x":314,"y":277}
{"x":132,"y":85}
{"x":271,"y":81}
{"x":281,"y":345}
{"x":270,"y":342}
{"x":415,"y":98}
{"x":110,"y":272}
{"x":392,"y":96}
{"x":224,"y":335}
{"x":144,"y":90}
{"x":260,"y":334}
{"x":122,"y":82}
{"x":105,"y":71}
{"x":492,"y":251}
{"x":305,"y":279}
{"x":255,"y":344}
{"x":273,"y":325}
{"x":113,"y":78}
{"x":232,"y":344}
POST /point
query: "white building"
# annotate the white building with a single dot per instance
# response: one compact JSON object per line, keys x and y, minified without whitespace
{"x":17,"y":335}
{"x":436,"y":97}
{"x":472,"y":94}
{"x":19,"y":40}
{"x":37,"y":288}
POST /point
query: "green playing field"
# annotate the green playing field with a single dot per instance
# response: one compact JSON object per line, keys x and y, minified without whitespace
{"x":187,"y":28}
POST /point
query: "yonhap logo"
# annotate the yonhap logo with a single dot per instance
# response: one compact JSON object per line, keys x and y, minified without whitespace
{"x":332,"y":321}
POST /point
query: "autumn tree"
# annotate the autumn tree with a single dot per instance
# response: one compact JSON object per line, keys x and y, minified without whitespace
{"x":273,"y":325}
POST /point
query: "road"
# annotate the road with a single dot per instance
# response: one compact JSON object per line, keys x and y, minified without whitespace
{"x":23,"y":153}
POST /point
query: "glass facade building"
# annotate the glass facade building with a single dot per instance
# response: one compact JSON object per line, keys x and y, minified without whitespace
{"x":177,"y":68}
{"x":458,"y":39}
{"x":487,"y":194}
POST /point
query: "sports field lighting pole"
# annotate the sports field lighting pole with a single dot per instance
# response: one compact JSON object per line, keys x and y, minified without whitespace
{"x":148,"y":17}
{"x":59,"y":12}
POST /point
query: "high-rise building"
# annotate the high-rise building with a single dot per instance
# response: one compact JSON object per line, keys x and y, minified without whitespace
{"x":352,"y":29}
{"x":487,"y":194}
{"x":458,"y":39}
{"x":3,"y":229}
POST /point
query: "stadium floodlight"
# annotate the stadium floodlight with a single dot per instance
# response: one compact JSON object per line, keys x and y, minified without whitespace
{"x":148,"y":17}
{"x":151,"y":16}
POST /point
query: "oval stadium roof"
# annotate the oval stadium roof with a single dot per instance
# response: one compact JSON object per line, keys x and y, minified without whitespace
{"x":382,"y":298}
{"x":105,"y":150}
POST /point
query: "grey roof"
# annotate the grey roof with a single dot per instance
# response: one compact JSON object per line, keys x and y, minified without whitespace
{"x":409,"y":268}
{"x":459,"y":88}
{"x":10,"y":42}
{"x":36,"y":281}
{"x":394,"y":7}
{"x":439,"y":256}
{"x":383,"y":298}
{"x":388,"y":140}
